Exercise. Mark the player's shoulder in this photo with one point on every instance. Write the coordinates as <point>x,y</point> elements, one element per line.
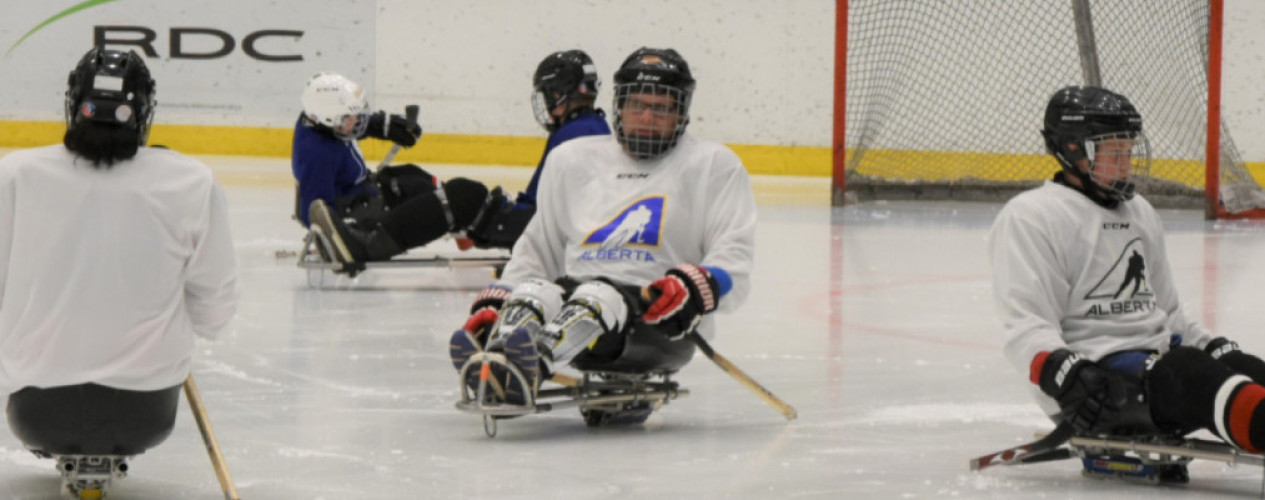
<point>1037,203</point>
<point>584,125</point>
<point>175,162</point>
<point>714,155</point>
<point>1041,197</point>
<point>584,147</point>
<point>21,155</point>
<point>33,158</point>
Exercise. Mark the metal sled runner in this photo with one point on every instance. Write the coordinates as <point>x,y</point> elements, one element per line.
<point>604,398</point>
<point>1150,460</point>
<point>316,258</point>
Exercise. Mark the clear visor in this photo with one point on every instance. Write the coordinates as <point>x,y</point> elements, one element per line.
<point>1115,159</point>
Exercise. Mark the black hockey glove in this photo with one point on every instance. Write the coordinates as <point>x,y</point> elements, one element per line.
<point>395,128</point>
<point>681,298</point>
<point>1088,395</point>
<point>1227,352</point>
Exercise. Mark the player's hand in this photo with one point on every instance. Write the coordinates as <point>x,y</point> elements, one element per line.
<point>395,128</point>
<point>1228,353</point>
<point>1088,395</point>
<point>681,297</point>
<point>485,310</point>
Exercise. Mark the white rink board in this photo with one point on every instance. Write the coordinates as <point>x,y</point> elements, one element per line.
<point>255,82</point>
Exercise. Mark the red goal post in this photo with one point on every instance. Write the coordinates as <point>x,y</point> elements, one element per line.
<point>943,100</point>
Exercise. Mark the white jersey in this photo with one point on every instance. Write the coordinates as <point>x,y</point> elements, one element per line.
<point>1069,273</point>
<point>603,214</point>
<point>107,274</point>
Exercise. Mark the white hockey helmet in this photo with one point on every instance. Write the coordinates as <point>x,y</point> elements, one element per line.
<point>330,98</point>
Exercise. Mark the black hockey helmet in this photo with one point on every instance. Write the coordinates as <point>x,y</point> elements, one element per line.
<point>660,72</point>
<point>561,77</point>
<point>111,87</point>
<point>1078,119</point>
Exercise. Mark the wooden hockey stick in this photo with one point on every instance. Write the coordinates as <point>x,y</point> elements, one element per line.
<point>411,112</point>
<point>208,437</point>
<point>733,371</point>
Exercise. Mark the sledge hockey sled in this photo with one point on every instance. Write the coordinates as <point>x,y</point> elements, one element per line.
<point>88,477</point>
<point>316,258</point>
<point>1152,459</point>
<point>626,390</point>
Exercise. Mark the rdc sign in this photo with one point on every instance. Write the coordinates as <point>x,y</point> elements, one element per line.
<point>225,43</point>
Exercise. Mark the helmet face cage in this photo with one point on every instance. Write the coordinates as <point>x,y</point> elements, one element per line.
<point>111,87</point>
<point>657,81</point>
<point>653,135</point>
<point>560,77</point>
<point>1114,158</point>
<point>1090,130</point>
<point>331,100</point>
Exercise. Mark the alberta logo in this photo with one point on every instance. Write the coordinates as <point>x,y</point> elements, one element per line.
<point>637,225</point>
<point>1126,285</point>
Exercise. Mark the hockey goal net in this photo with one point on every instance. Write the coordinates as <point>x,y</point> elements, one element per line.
<point>944,100</point>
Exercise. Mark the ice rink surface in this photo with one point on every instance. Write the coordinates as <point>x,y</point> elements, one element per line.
<point>875,321</point>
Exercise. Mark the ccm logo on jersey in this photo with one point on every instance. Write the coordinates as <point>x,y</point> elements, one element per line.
<point>1109,226</point>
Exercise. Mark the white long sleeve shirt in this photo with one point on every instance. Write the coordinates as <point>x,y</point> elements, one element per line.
<point>601,213</point>
<point>107,274</point>
<point>1069,273</point>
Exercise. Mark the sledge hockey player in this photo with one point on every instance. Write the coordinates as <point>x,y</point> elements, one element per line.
<point>1085,293</point>
<point>326,159</point>
<point>649,211</point>
<point>112,257</point>
<point>566,86</point>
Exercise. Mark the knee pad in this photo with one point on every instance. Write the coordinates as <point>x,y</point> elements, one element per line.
<point>529,305</point>
<point>595,308</point>
<point>463,199</point>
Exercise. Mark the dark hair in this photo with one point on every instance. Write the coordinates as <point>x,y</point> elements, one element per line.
<point>101,142</point>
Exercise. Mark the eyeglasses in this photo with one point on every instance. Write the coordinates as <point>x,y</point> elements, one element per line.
<point>635,107</point>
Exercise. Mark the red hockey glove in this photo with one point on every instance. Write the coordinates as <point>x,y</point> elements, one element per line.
<point>1088,396</point>
<point>486,309</point>
<point>681,297</point>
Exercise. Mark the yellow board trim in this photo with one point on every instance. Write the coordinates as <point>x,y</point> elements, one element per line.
<point>436,148</point>
<point>525,151</point>
<point>946,166</point>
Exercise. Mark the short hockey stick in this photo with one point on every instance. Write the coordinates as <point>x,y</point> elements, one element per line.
<point>733,371</point>
<point>411,112</point>
<point>1041,450</point>
<point>208,437</point>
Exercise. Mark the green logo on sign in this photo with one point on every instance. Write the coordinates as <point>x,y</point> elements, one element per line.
<point>82,6</point>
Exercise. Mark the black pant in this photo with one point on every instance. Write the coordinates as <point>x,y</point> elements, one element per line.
<point>91,419</point>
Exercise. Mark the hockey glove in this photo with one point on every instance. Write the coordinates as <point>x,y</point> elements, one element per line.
<point>1083,390</point>
<point>1227,352</point>
<point>681,297</point>
<point>395,128</point>
<point>486,310</point>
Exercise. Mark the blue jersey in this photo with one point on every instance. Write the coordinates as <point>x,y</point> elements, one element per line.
<point>586,122</point>
<point>326,167</point>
